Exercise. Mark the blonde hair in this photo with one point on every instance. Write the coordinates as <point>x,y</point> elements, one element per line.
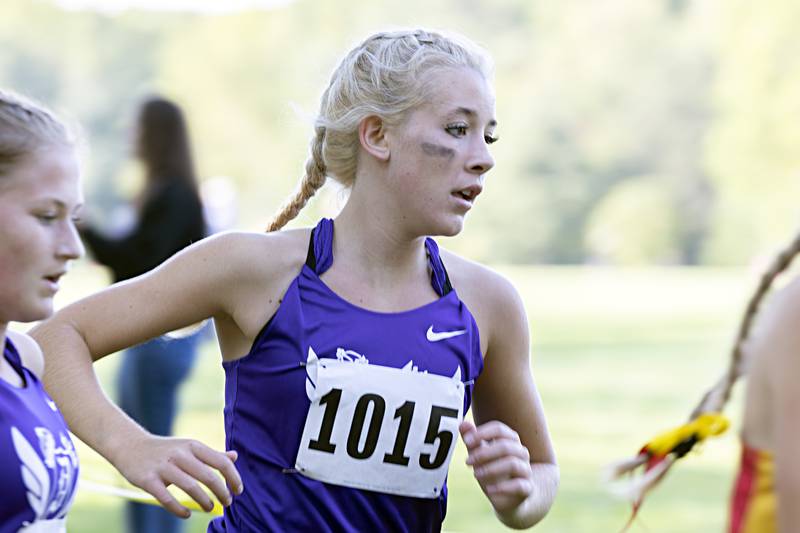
<point>26,127</point>
<point>384,76</point>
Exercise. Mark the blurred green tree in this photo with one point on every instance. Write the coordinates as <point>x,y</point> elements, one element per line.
<point>634,224</point>
<point>754,145</point>
<point>590,95</point>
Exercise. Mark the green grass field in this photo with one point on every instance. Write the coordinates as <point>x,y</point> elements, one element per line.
<point>618,355</point>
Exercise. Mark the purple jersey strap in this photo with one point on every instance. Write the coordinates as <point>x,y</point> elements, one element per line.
<point>320,256</point>
<point>12,356</point>
<point>320,249</point>
<point>439,278</point>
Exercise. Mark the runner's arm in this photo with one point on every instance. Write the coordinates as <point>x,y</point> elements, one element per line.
<point>190,287</point>
<point>510,449</point>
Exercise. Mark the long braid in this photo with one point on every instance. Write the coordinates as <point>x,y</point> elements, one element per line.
<point>715,399</point>
<point>314,178</point>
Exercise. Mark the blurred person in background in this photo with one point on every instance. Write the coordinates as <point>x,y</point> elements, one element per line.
<point>169,218</point>
<point>767,488</point>
<point>40,197</point>
<point>766,351</point>
<point>350,359</point>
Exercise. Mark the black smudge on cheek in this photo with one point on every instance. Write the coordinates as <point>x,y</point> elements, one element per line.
<point>437,150</point>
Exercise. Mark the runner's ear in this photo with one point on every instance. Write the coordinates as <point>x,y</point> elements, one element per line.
<point>372,135</point>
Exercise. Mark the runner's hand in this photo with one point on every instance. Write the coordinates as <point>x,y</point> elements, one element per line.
<point>500,463</point>
<point>154,463</point>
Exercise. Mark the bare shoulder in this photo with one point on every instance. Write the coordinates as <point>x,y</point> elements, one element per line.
<point>781,313</point>
<point>491,298</point>
<point>259,268</point>
<point>29,352</point>
<point>479,282</point>
<point>787,300</point>
<point>257,253</point>
<point>776,338</point>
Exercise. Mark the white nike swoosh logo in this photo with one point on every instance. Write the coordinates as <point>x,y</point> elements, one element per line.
<point>435,336</point>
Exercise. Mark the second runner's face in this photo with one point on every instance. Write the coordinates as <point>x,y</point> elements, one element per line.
<point>39,199</point>
<point>441,152</point>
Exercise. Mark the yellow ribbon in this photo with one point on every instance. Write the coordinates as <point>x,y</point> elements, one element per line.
<point>702,427</point>
<point>143,497</point>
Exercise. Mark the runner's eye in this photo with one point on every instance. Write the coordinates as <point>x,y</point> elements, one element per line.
<point>47,218</point>
<point>456,130</point>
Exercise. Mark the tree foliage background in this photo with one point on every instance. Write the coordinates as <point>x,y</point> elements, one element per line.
<point>631,132</point>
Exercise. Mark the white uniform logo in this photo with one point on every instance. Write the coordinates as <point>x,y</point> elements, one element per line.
<point>49,504</point>
<point>379,428</point>
<point>436,336</point>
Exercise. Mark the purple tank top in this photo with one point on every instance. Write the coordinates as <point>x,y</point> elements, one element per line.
<point>268,407</point>
<point>38,463</point>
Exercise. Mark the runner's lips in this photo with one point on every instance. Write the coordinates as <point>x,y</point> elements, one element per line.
<point>469,193</point>
<point>55,277</point>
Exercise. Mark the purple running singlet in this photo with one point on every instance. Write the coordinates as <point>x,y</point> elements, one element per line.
<point>345,419</point>
<point>38,463</point>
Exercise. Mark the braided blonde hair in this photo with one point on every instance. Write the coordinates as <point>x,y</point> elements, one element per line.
<point>715,399</point>
<point>384,76</point>
<point>26,127</point>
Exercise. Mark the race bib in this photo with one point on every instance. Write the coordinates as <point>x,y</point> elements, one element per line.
<point>380,428</point>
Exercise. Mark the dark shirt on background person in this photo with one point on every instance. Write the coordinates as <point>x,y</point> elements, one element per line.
<point>170,220</point>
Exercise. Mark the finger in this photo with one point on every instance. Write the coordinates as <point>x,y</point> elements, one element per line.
<point>487,433</point>
<point>233,455</point>
<point>466,426</point>
<point>491,451</point>
<point>222,462</point>
<point>518,487</point>
<point>199,471</point>
<point>190,486</point>
<point>495,430</point>
<point>501,470</point>
<point>159,491</point>
<point>469,434</point>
